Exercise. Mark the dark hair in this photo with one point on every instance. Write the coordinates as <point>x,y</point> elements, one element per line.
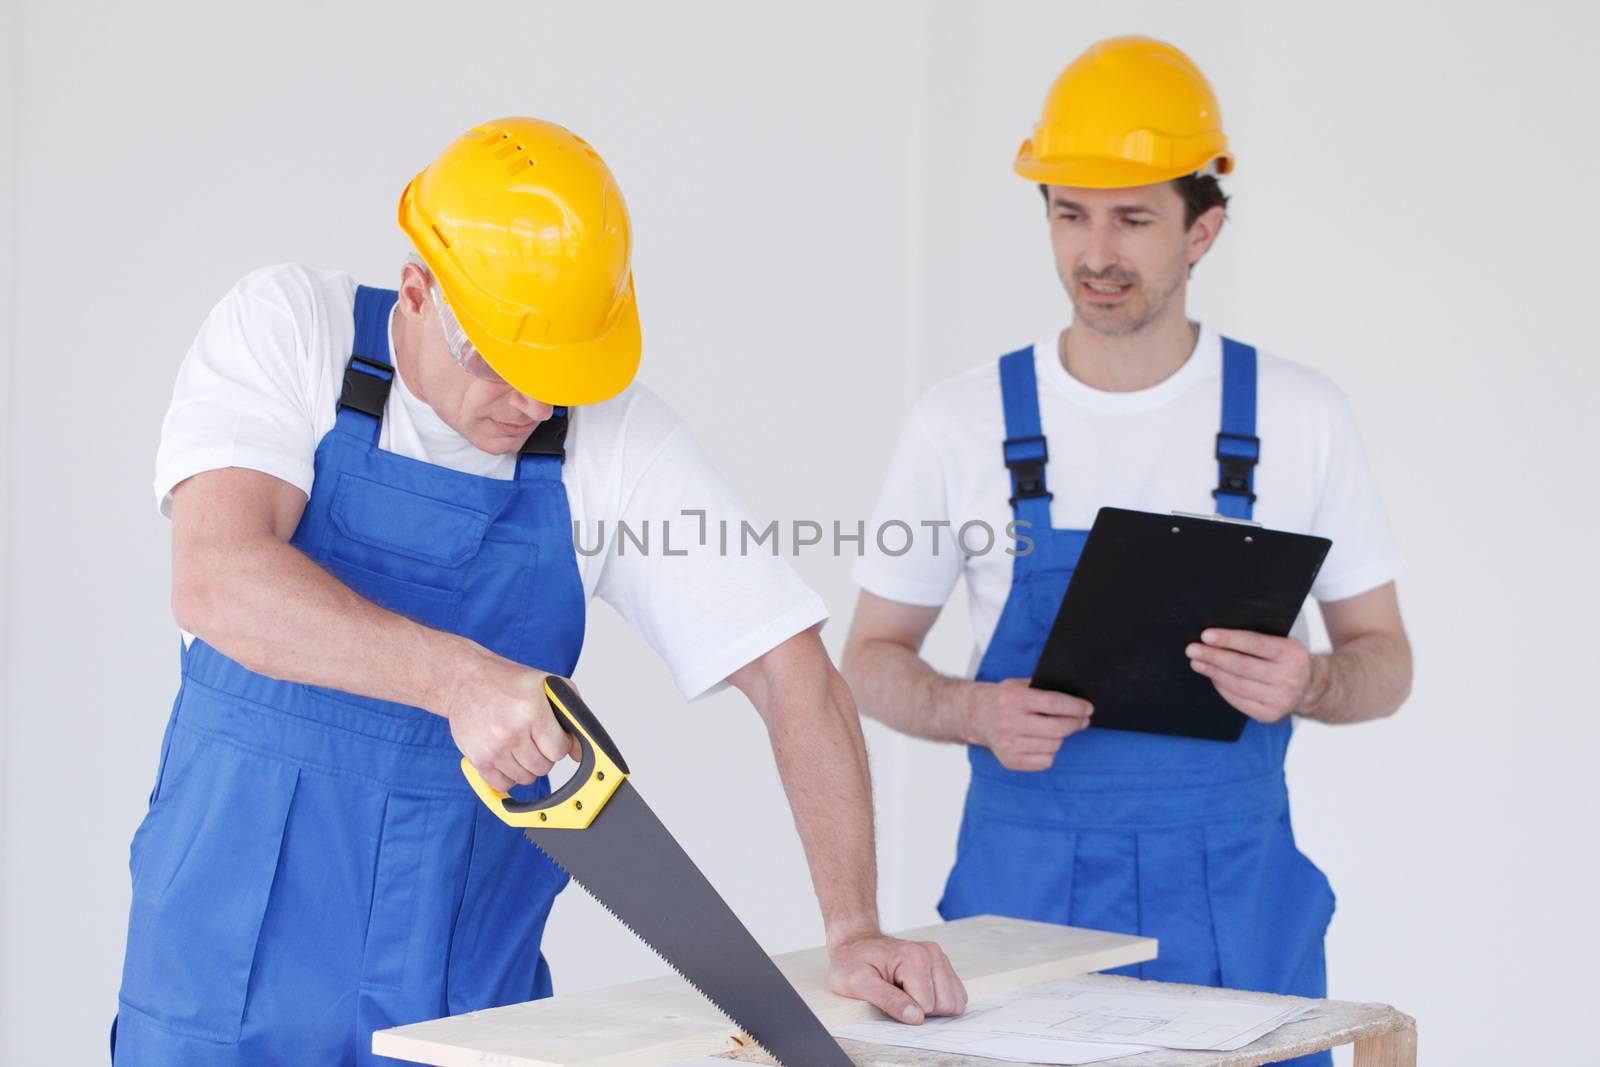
<point>1200,192</point>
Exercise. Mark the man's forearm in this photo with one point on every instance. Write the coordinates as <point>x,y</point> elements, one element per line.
<point>822,761</point>
<point>1367,677</point>
<point>897,687</point>
<point>264,603</point>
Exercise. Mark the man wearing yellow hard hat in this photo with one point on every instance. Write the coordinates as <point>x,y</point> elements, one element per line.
<point>1133,405</point>
<point>373,497</point>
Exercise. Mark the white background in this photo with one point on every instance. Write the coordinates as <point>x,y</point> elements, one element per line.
<point>826,223</point>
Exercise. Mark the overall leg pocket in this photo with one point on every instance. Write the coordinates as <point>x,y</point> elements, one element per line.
<point>1270,906</point>
<point>203,867</point>
<point>1174,906</point>
<point>508,890</point>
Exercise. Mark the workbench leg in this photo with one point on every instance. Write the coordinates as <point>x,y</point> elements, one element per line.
<point>1395,1049</point>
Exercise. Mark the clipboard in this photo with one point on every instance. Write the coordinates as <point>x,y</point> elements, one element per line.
<point>1144,588</point>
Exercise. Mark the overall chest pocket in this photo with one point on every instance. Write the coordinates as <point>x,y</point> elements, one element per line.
<point>403,550</point>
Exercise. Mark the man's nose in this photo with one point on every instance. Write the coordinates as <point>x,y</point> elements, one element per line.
<point>537,410</point>
<point>1101,255</point>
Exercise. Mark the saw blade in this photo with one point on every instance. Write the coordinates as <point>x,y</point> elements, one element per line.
<point>628,861</point>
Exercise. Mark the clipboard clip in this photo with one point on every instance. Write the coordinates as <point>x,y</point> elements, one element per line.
<point>1217,518</point>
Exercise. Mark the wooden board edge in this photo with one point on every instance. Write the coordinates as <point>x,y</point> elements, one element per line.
<point>712,1042</point>
<point>400,1046</point>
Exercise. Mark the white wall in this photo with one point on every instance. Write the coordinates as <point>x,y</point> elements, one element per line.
<point>8,133</point>
<point>826,223</point>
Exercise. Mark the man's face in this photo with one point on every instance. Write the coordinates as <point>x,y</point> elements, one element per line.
<point>490,414</point>
<point>494,417</point>
<point>1124,254</point>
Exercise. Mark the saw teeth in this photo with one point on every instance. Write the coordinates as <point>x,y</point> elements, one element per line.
<point>692,984</point>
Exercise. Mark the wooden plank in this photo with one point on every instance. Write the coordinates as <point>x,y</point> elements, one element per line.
<point>1385,1036</point>
<point>661,1020</point>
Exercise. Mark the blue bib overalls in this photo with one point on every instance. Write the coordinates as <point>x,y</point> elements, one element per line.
<point>313,865</point>
<point>1184,840</point>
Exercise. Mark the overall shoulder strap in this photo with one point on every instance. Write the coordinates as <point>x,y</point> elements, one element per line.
<point>368,374</point>
<point>1025,451</point>
<point>542,454</point>
<point>1238,447</point>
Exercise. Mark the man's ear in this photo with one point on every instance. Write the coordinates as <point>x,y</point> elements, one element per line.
<point>1204,232</point>
<point>414,283</point>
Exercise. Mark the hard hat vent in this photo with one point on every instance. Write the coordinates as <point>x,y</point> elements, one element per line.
<point>504,147</point>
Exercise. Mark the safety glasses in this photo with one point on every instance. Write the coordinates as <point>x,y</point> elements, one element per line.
<point>467,358</point>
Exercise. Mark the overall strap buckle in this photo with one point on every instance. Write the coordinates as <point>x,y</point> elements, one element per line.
<point>1237,454</point>
<point>1026,458</point>
<point>366,390</point>
<point>549,438</point>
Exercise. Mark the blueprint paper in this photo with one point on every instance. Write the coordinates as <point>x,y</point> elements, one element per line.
<point>1084,1012</point>
<point>1071,1022</point>
<point>990,1046</point>
<point>968,1035</point>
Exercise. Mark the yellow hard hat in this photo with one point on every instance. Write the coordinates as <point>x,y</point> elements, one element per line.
<point>525,229</point>
<point>1129,111</point>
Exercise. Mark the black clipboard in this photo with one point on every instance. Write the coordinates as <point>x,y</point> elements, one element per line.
<point>1145,587</point>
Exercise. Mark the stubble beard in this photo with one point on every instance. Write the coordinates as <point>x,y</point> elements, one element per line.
<point>1124,320</point>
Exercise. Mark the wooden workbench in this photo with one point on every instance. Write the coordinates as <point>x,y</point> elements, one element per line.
<point>660,1021</point>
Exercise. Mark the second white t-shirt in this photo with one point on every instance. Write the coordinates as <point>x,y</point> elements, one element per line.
<point>259,389</point>
<point>1149,450</point>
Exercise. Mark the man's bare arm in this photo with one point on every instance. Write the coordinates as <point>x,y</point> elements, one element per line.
<point>1366,676</point>
<point>894,683</point>
<point>1368,673</point>
<point>822,761</point>
<point>1023,727</point>
<point>238,584</point>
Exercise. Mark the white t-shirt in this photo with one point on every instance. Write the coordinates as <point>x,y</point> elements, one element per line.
<point>1150,450</point>
<point>258,389</point>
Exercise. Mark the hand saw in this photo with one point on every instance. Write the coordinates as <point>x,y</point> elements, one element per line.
<point>599,830</point>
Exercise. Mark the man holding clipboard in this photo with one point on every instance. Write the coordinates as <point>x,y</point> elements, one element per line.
<point>1133,406</point>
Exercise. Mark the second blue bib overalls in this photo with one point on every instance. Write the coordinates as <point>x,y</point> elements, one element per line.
<point>313,866</point>
<point>1184,840</point>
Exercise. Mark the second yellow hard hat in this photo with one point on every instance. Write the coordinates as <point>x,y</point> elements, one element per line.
<point>525,229</point>
<point>1129,111</point>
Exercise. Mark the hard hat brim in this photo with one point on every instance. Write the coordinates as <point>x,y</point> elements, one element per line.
<point>1098,172</point>
<point>580,372</point>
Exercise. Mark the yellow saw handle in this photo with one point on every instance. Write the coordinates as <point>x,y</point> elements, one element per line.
<point>575,805</point>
